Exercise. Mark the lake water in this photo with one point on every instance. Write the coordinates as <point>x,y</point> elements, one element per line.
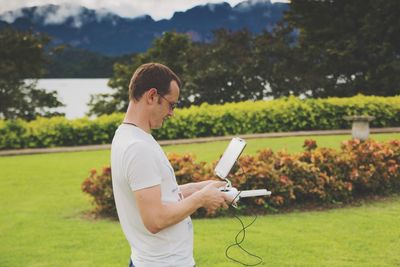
<point>75,93</point>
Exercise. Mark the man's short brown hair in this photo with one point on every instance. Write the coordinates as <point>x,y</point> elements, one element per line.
<point>151,75</point>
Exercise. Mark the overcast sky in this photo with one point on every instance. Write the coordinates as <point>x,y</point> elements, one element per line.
<point>158,9</point>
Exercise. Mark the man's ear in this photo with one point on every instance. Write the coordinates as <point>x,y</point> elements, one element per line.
<point>151,95</point>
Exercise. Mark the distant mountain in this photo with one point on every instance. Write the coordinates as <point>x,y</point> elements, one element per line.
<point>107,33</point>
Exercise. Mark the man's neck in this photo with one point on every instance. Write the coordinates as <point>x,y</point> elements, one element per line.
<point>134,115</point>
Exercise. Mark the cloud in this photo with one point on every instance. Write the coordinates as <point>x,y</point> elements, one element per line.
<point>10,16</point>
<point>158,9</point>
<point>60,14</point>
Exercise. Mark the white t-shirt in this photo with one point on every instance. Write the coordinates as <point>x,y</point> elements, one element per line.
<point>137,162</point>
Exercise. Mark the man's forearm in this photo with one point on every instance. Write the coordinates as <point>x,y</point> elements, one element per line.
<point>172,213</point>
<point>157,215</point>
<point>190,188</point>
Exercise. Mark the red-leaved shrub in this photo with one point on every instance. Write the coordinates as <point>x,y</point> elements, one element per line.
<point>316,176</point>
<point>99,187</point>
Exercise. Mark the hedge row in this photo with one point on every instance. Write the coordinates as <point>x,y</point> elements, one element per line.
<point>316,176</point>
<point>58,131</point>
<point>281,115</point>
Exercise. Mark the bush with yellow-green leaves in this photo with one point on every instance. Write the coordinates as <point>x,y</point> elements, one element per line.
<point>280,115</point>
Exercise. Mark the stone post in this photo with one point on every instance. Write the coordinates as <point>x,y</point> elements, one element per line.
<point>360,126</point>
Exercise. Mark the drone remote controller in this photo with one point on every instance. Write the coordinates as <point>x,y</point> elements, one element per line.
<point>235,195</point>
<point>224,166</point>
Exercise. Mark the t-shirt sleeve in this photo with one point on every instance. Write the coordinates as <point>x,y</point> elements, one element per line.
<point>142,166</point>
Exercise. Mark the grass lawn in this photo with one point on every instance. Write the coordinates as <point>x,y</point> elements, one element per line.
<point>42,221</point>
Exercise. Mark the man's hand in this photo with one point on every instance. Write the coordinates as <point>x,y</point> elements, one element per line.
<point>212,197</point>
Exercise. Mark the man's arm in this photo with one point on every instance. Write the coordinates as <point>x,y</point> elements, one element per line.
<point>157,216</point>
<point>190,188</point>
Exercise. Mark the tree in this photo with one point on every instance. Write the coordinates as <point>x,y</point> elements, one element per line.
<point>71,62</point>
<point>223,70</point>
<point>171,49</point>
<point>22,56</point>
<point>275,61</point>
<point>217,72</point>
<point>347,47</point>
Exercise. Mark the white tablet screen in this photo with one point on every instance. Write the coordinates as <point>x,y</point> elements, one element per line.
<point>228,159</point>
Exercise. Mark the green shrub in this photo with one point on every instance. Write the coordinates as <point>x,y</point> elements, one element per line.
<point>58,131</point>
<point>280,115</point>
<point>316,176</point>
<point>13,134</point>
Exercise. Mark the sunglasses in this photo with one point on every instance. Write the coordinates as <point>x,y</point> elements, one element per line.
<point>172,106</point>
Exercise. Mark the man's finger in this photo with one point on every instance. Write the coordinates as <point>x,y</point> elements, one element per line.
<point>219,183</point>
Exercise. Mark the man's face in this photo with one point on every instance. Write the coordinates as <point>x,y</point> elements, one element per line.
<point>165,106</point>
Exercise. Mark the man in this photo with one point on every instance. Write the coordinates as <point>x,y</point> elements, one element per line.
<point>152,209</point>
